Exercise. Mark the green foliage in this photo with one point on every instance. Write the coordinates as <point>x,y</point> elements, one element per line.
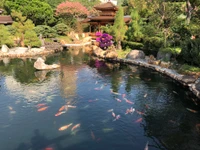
<point>31,39</point>
<point>45,31</point>
<point>61,29</point>
<point>38,11</point>
<point>132,45</point>
<point>5,36</point>
<point>134,32</point>
<point>191,51</point>
<point>119,27</point>
<point>122,53</point>
<point>188,69</point>
<point>173,50</point>
<point>152,45</point>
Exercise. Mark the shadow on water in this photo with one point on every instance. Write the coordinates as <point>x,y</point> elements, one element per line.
<point>40,142</point>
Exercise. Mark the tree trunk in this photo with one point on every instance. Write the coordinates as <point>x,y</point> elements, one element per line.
<point>119,46</point>
<point>189,10</point>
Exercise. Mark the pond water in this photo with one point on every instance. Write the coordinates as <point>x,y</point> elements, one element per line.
<point>92,98</point>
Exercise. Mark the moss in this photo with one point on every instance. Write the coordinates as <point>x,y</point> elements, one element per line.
<point>188,69</point>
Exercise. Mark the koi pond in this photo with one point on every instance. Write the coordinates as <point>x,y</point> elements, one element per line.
<point>91,104</point>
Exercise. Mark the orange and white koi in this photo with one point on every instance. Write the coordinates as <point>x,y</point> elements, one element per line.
<point>119,100</point>
<point>191,110</point>
<point>76,126</point>
<point>42,109</point>
<point>138,120</point>
<point>65,127</point>
<point>92,135</point>
<point>113,114</point>
<point>117,117</point>
<point>140,113</point>
<point>10,108</point>
<point>60,113</point>
<point>123,95</point>
<point>62,108</point>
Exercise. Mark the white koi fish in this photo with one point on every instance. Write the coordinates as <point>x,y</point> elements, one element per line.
<point>113,114</point>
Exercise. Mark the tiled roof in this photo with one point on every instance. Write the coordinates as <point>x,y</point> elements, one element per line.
<point>105,6</point>
<point>6,20</point>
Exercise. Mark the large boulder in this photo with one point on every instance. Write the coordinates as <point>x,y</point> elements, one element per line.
<point>4,49</point>
<point>97,51</point>
<point>135,54</point>
<point>40,65</point>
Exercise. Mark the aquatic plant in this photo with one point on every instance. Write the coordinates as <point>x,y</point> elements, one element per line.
<point>104,39</point>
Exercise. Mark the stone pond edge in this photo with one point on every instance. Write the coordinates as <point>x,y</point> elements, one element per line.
<point>189,81</point>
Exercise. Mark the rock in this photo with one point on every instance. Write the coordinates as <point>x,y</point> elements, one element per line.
<point>4,49</point>
<point>188,79</point>
<point>40,65</point>
<point>111,54</point>
<point>36,50</point>
<point>135,54</point>
<point>97,51</point>
<point>20,50</point>
<point>164,56</point>
<point>164,64</point>
<point>87,39</point>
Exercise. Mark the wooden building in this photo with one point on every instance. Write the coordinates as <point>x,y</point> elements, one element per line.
<point>5,19</point>
<point>107,12</point>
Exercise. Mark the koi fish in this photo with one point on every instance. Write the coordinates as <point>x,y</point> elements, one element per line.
<point>191,110</point>
<point>117,117</point>
<point>70,106</point>
<point>123,95</point>
<point>140,113</point>
<point>48,148</point>
<point>119,100</point>
<point>60,113</point>
<point>40,105</point>
<point>65,127</point>
<point>76,126</point>
<point>92,135</point>
<point>62,108</point>
<point>92,100</point>
<point>175,92</point>
<point>145,95</point>
<point>129,101</point>
<point>42,109</point>
<point>10,108</point>
<point>113,114</point>
<point>138,120</point>
<point>110,110</point>
<point>146,147</point>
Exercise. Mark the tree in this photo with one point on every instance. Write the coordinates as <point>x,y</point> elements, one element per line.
<point>71,12</point>
<point>21,25</point>
<point>31,39</point>
<point>38,11</point>
<point>119,27</point>
<point>5,36</point>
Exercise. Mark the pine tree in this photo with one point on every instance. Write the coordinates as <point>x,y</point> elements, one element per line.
<point>119,27</point>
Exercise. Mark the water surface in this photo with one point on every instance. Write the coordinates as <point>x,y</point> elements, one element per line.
<point>161,117</point>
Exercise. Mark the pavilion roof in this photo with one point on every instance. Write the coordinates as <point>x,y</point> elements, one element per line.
<point>6,20</point>
<point>106,6</point>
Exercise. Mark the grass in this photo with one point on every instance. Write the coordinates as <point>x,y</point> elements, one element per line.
<point>122,53</point>
<point>65,38</point>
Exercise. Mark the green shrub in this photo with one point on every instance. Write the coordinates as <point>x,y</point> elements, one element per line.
<point>132,45</point>
<point>45,31</point>
<point>5,36</point>
<point>190,52</point>
<point>31,39</point>
<point>61,29</point>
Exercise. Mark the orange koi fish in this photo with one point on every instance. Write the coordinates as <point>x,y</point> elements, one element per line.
<point>62,108</point>
<point>92,135</point>
<point>138,120</point>
<point>60,113</point>
<point>76,126</point>
<point>128,101</point>
<point>123,95</point>
<point>42,109</point>
<point>48,148</point>
<point>65,127</point>
<point>140,113</point>
<point>40,105</point>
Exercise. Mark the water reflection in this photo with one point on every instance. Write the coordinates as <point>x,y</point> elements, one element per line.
<point>100,91</point>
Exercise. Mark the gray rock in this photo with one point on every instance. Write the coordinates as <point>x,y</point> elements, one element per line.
<point>111,54</point>
<point>188,79</point>
<point>4,49</point>
<point>40,65</point>
<point>163,56</point>
<point>20,50</point>
<point>135,54</point>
